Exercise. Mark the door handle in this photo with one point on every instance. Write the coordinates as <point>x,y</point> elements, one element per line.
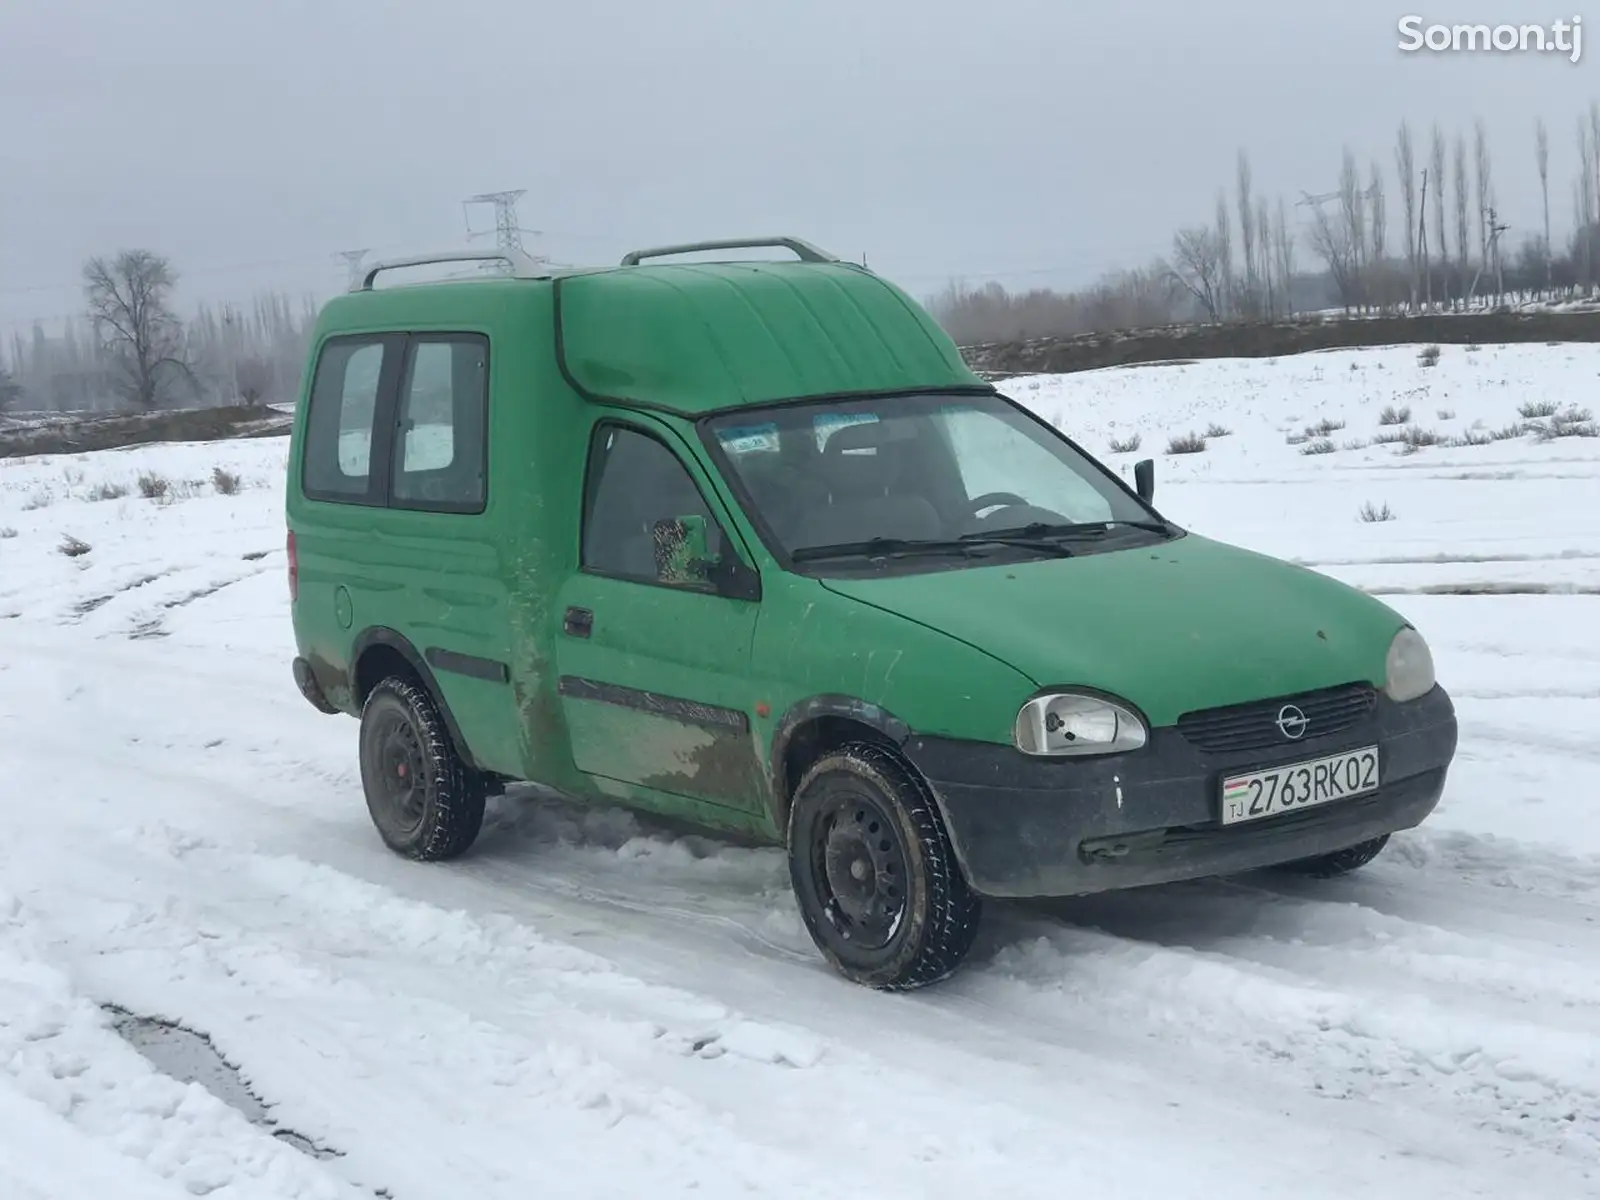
<point>578,622</point>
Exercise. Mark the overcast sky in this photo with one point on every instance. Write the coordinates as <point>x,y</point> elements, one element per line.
<point>1032,141</point>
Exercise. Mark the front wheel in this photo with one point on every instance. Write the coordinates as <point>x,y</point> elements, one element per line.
<point>1339,862</point>
<point>874,873</point>
<point>426,802</point>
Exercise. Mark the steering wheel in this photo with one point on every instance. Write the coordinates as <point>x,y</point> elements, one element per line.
<point>991,499</point>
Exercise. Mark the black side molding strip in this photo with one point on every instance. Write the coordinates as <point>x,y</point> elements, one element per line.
<point>467,664</point>
<point>690,711</point>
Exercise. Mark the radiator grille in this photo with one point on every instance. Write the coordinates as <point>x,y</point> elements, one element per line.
<point>1254,726</point>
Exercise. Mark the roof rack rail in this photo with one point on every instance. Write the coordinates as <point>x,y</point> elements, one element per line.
<point>803,250</point>
<point>522,264</point>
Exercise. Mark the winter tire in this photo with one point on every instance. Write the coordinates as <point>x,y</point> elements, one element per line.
<point>426,802</point>
<point>1339,862</point>
<point>875,876</point>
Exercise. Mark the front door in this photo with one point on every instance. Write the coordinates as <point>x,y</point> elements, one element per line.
<point>655,683</point>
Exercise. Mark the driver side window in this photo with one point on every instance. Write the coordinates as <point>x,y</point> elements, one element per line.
<point>636,483</point>
<point>995,456</point>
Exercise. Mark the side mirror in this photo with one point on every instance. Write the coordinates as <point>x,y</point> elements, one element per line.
<point>683,556</point>
<point>682,548</point>
<point>1144,479</point>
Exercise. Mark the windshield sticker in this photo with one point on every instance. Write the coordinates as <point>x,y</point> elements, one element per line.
<point>744,438</point>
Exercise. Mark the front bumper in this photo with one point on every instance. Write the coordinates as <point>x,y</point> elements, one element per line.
<point>1028,827</point>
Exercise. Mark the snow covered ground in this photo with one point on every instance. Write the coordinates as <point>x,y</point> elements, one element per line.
<point>586,1006</point>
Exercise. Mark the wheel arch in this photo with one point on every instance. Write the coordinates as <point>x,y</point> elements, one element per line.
<point>380,651</point>
<point>816,725</point>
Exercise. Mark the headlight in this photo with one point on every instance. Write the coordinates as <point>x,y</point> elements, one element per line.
<point>1068,723</point>
<point>1408,673</point>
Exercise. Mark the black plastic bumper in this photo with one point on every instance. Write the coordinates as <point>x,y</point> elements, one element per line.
<point>1027,827</point>
<point>306,680</point>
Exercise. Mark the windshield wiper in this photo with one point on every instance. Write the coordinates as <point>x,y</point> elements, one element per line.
<point>1152,526</point>
<point>880,547</point>
<point>900,547</point>
<point>1076,529</point>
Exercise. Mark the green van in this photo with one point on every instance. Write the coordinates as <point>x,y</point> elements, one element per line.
<point>746,544</point>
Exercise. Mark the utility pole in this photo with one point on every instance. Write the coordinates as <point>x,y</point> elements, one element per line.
<point>507,231</point>
<point>1496,228</point>
<point>352,260</point>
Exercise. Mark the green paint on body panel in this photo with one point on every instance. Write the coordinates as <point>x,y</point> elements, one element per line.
<point>663,535</point>
<point>695,338</point>
<point>1189,624</point>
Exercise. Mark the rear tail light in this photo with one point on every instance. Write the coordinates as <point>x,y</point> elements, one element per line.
<point>294,569</point>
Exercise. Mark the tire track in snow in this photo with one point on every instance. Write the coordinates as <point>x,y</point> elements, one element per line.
<point>1254,1007</point>
<point>1519,1081</point>
<point>1446,558</point>
<point>57,1050</point>
<point>1053,1037</point>
<point>461,1003</point>
<point>259,966</point>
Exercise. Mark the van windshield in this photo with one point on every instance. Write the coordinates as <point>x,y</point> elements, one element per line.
<point>930,476</point>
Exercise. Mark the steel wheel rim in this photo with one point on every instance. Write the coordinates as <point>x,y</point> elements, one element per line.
<point>400,771</point>
<point>859,871</point>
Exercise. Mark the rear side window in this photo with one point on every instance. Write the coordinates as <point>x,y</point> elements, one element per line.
<point>440,444</point>
<point>340,421</point>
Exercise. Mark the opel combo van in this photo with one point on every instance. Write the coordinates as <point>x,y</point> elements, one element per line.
<point>747,544</point>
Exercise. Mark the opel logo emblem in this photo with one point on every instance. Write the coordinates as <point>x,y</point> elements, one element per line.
<point>1292,723</point>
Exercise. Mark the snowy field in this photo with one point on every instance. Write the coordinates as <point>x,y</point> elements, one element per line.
<point>587,1007</point>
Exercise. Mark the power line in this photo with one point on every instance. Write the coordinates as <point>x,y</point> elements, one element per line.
<point>1317,201</point>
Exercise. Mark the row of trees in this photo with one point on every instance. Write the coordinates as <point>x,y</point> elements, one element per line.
<point>1453,251</point>
<point>1448,252</point>
<point>132,350</point>
<point>1444,247</point>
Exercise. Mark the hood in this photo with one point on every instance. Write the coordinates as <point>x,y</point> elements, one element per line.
<point>1171,627</point>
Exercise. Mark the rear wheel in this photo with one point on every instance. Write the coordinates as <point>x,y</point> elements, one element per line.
<point>1339,862</point>
<point>875,876</point>
<point>426,802</point>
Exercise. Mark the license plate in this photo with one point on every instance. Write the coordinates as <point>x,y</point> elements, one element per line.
<point>1299,785</point>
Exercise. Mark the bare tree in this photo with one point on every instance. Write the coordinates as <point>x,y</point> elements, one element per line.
<point>1405,164</point>
<point>10,391</point>
<point>1247,240</point>
<point>1462,255</point>
<point>1594,147</point>
<point>1480,162</point>
<point>1379,227</point>
<point>1583,203</point>
<point>1283,241</point>
<point>1541,153</point>
<point>1353,244</point>
<point>129,298</point>
<point>253,379</point>
<point>1197,257</point>
<point>1422,243</point>
<point>1227,287</point>
<point>1436,157</point>
<point>1264,257</point>
<point>1332,242</point>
